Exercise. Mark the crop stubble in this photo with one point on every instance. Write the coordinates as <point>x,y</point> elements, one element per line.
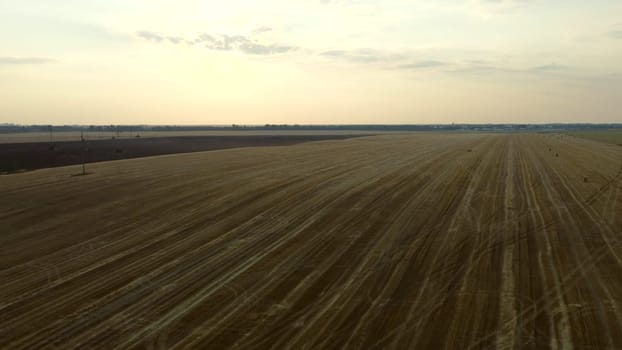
<point>394,241</point>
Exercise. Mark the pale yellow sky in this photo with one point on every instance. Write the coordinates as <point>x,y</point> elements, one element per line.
<point>313,61</point>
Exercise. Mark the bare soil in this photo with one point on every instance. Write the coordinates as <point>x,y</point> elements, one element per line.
<point>22,156</point>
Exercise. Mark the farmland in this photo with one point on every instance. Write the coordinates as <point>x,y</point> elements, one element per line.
<point>609,136</point>
<point>23,156</point>
<point>422,241</point>
<point>68,136</point>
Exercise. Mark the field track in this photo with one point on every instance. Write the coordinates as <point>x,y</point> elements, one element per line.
<point>423,241</point>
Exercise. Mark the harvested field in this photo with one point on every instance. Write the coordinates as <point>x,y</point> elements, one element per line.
<point>428,241</point>
<point>609,136</point>
<point>16,157</point>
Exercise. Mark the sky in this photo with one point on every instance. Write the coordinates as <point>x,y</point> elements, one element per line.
<point>310,61</point>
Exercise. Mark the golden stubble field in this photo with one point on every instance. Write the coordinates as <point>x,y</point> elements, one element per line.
<point>423,241</point>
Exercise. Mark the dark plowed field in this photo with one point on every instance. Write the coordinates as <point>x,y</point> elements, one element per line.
<point>37,155</point>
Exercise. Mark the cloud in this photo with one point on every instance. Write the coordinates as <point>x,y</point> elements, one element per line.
<point>422,65</point>
<point>263,29</point>
<point>481,69</point>
<point>334,53</point>
<point>491,7</point>
<point>151,36</point>
<point>548,68</point>
<point>224,42</point>
<point>499,70</point>
<point>360,56</point>
<point>257,49</point>
<point>477,62</point>
<point>503,3</point>
<point>175,39</point>
<point>387,59</point>
<point>616,34</point>
<point>26,60</point>
<point>363,55</point>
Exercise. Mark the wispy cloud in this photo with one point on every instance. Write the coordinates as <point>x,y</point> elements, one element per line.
<point>262,29</point>
<point>352,56</point>
<point>151,36</point>
<point>502,4</point>
<point>258,49</point>
<point>407,60</point>
<point>616,34</point>
<point>175,39</point>
<point>497,7</point>
<point>365,55</point>
<point>241,43</point>
<point>223,42</point>
<point>386,59</point>
<point>499,70</point>
<point>548,68</point>
<point>482,69</point>
<point>422,65</point>
<point>26,60</point>
<point>157,37</point>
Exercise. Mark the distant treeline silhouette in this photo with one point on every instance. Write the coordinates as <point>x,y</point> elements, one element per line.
<point>16,128</point>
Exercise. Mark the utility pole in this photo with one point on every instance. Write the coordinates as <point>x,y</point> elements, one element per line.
<point>83,141</point>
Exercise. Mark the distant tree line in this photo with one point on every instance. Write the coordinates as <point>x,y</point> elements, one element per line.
<point>16,128</point>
